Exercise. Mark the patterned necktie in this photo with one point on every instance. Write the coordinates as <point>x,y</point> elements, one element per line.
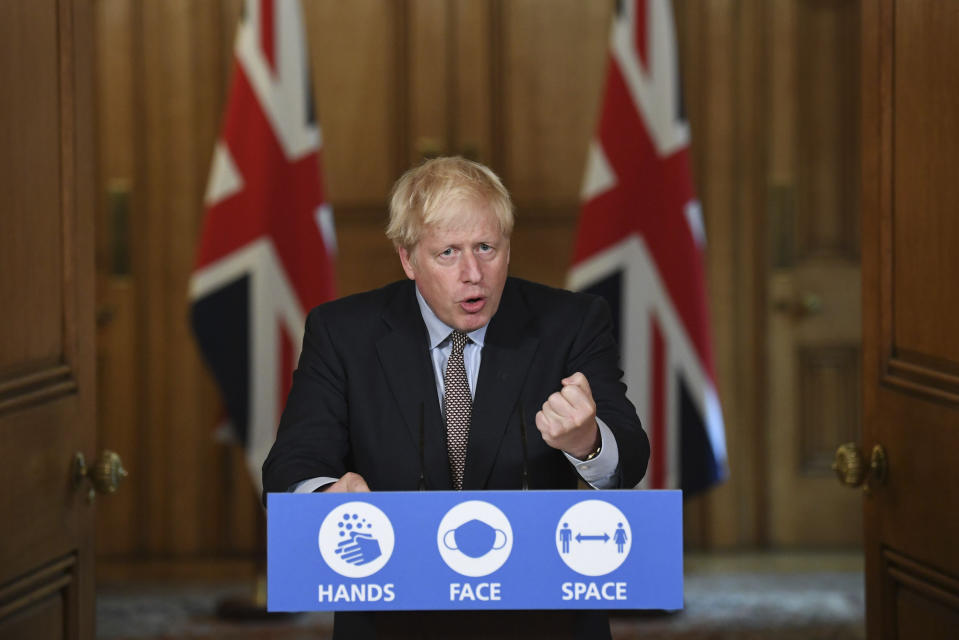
<point>459,408</point>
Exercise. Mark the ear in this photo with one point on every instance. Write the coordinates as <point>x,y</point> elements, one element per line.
<point>407,262</point>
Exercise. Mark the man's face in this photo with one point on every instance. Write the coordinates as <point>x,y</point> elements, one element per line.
<point>460,267</point>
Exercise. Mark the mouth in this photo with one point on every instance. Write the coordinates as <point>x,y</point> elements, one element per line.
<point>473,305</point>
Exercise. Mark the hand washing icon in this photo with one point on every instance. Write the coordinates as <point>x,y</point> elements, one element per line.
<point>356,539</point>
<point>474,538</point>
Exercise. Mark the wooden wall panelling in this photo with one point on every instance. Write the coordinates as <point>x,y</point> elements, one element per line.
<point>357,72</point>
<point>361,73</point>
<point>724,64</point>
<point>117,363</point>
<point>472,91</point>
<point>172,187</point>
<point>548,83</point>
<point>752,45</point>
<point>432,59</point>
<point>554,57</point>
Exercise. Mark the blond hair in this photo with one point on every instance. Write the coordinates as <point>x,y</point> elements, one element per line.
<point>423,195</point>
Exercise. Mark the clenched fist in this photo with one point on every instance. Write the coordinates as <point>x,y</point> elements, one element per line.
<point>567,420</point>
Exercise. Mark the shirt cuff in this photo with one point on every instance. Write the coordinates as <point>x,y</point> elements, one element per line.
<point>311,485</point>
<point>600,472</point>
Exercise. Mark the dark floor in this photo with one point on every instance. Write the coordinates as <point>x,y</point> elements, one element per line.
<point>749,597</point>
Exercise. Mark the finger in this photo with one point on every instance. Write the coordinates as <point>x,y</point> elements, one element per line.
<point>556,418</point>
<point>349,483</point>
<point>576,396</point>
<point>578,380</point>
<point>557,423</point>
<point>560,405</point>
<point>549,425</point>
<point>357,484</point>
<point>542,422</point>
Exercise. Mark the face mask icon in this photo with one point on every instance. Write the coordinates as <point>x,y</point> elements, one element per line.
<point>474,538</point>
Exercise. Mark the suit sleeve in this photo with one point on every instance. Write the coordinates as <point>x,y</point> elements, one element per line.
<point>313,437</point>
<point>595,353</point>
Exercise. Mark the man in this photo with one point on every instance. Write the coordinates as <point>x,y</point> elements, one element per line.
<point>436,383</point>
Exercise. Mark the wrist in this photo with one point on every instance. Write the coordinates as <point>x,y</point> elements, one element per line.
<point>588,453</point>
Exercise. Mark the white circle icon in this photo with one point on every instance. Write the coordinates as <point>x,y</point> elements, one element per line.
<point>474,538</point>
<point>356,539</point>
<point>593,537</point>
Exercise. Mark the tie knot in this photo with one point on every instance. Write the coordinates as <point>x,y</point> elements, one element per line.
<point>459,340</point>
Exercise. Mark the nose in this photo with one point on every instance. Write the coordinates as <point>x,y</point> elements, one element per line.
<point>470,268</point>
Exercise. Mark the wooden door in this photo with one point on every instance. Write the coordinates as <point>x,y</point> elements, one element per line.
<point>46,319</point>
<point>813,281</point>
<point>910,244</point>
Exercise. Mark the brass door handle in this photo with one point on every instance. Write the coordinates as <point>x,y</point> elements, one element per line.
<point>850,466</point>
<point>103,477</point>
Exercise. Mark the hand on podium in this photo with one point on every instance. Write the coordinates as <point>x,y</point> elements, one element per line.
<point>349,483</point>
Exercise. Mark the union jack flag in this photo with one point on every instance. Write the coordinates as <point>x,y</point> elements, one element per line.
<point>266,251</point>
<point>640,244</point>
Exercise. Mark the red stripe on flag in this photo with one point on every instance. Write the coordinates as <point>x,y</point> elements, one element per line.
<point>268,33</point>
<point>658,406</point>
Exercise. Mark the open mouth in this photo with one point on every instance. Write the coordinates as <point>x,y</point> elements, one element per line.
<point>472,305</point>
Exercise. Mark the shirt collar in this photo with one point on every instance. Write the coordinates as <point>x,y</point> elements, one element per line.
<point>439,330</point>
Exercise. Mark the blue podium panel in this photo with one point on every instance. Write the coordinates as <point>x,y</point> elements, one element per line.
<point>434,550</point>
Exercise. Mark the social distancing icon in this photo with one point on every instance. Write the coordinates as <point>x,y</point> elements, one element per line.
<point>593,537</point>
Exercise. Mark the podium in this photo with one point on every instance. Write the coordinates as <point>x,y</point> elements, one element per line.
<point>474,550</point>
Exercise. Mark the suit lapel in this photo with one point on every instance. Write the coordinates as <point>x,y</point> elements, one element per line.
<point>406,364</point>
<point>507,354</point>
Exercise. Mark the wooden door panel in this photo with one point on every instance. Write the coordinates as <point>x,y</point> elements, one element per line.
<point>910,351</point>
<point>41,604</point>
<point>925,71</point>
<point>923,602</point>
<point>28,122</point>
<point>46,323</point>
